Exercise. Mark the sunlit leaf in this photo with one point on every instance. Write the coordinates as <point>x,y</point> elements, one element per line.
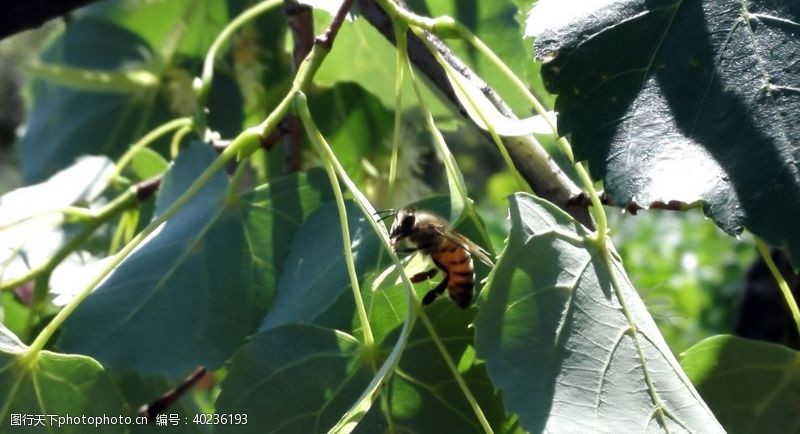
<point>30,218</point>
<point>565,350</point>
<point>55,384</point>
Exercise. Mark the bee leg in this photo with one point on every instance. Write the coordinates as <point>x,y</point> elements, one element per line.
<point>435,292</point>
<point>425,275</point>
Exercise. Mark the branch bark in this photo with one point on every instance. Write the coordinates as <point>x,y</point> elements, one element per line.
<point>531,160</point>
<point>24,15</point>
<point>301,22</point>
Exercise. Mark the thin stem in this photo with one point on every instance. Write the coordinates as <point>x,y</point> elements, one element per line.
<point>122,202</point>
<point>454,369</point>
<point>779,279</point>
<point>48,331</point>
<point>207,76</point>
<point>398,112</point>
<point>454,176</point>
<point>348,421</point>
<point>175,144</point>
<point>475,106</point>
<point>319,142</point>
<point>243,145</point>
<point>145,141</point>
<point>75,212</point>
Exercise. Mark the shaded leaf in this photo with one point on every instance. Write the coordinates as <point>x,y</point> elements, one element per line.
<point>751,386</point>
<point>700,105</point>
<point>63,122</point>
<point>56,384</point>
<point>566,352</point>
<point>293,379</point>
<point>202,282</point>
<point>314,286</point>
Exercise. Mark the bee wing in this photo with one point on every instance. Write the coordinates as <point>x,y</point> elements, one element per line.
<point>466,243</point>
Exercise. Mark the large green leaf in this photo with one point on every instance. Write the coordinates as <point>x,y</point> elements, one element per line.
<point>683,101</point>
<point>165,39</point>
<point>193,291</point>
<point>752,386</point>
<point>55,384</point>
<point>314,286</point>
<point>423,396</point>
<point>63,123</point>
<point>567,352</point>
<point>293,379</point>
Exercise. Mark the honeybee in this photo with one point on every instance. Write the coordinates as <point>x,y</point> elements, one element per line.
<point>451,252</point>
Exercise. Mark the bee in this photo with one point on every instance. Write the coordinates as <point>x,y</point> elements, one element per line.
<point>452,253</point>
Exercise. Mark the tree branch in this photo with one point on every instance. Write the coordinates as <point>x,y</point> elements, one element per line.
<point>23,15</point>
<point>531,160</point>
<point>301,22</point>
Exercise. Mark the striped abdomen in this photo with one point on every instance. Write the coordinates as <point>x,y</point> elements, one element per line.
<point>456,262</point>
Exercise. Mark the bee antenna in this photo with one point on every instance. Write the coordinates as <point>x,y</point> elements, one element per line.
<point>384,214</point>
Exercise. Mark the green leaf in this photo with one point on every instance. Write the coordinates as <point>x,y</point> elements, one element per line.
<point>314,286</point>
<point>63,123</point>
<point>422,395</point>
<point>363,56</point>
<point>163,39</point>
<point>354,122</point>
<point>184,28</point>
<point>566,352</point>
<point>751,386</point>
<point>293,379</point>
<point>193,291</point>
<point>56,384</point>
<point>700,105</point>
<point>148,163</point>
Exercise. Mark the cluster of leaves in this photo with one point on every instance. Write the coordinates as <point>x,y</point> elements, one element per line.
<point>248,275</point>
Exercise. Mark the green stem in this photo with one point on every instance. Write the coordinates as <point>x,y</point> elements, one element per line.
<point>784,287</point>
<point>454,176</point>
<point>244,144</point>
<point>476,107</point>
<point>203,85</point>
<point>122,202</point>
<point>175,144</point>
<point>462,384</point>
<point>63,314</point>
<point>75,212</point>
<point>448,24</point>
<point>348,421</point>
<point>401,48</point>
<point>145,141</point>
<point>319,142</point>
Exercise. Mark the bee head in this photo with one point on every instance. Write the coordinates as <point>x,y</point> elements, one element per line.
<point>403,225</point>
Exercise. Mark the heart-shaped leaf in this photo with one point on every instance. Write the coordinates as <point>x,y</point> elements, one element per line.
<point>199,285</point>
<point>55,385</point>
<point>569,351</point>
